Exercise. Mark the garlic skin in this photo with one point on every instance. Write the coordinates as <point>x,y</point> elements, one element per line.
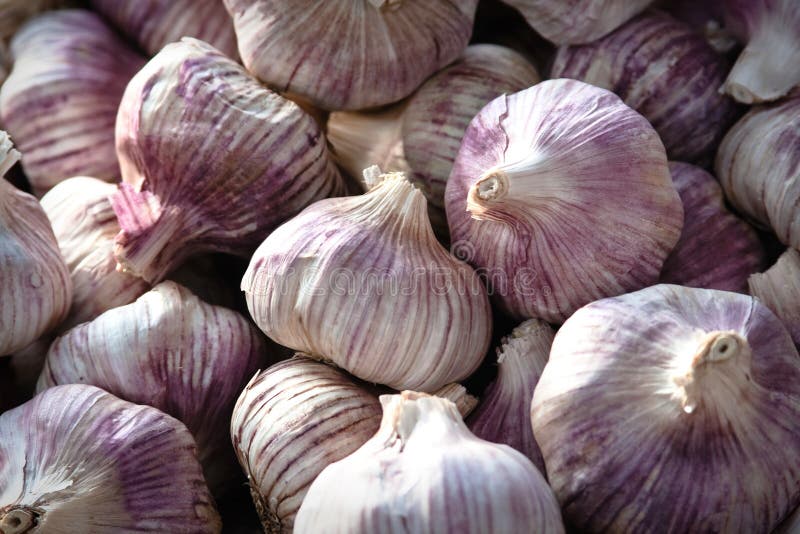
<point>669,410</point>
<point>756,166</point>
<point>183,195</point>
<point>60,100</point>
<point>35,287</point>
<point>561,195</point>
<point>362,282</point>
<point>78,459</point>
<point>154,24</point>
<point>504,413</point>
<point>173,352</point>
<point>768,67</point>
<point>381,51</point>
<point>717,250</point>
<point>424,471</point>
<point>643,62</point>
<point>778,288</point>
<point>16,12</point>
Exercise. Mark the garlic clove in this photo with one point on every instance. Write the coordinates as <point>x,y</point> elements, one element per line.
<point>423,471</point>
<point>77,459</point>
<point>717,250</point>
<point>779,289</point>
<point>183,194</point>
<point>174,352</point>
<point>671,409</point>
<point>362,282</point>
<point>561,195</point>
<point>154,24</point>
<point>349,55</point>
<point>643,62</point>
<point>60,100</point>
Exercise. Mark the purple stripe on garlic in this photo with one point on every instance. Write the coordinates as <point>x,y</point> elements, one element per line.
<point>779,289</point>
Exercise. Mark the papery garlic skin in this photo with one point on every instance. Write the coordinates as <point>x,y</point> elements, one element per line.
<point>425,472</point>
<point>671,409</point>
<point>60,100</point>
<point>717,250</point>
<point>644,62</point>
<point>77,459</point>
<point>362,282</point>
<point>779,289</point>
<point>380,52</point>
<point>172,351</point>
<point>211,161</point>
<point>561,195</point>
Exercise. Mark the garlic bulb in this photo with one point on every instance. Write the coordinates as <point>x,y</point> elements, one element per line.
<point>35,287</point>
<point>717,250</point>
<point>768,67</point>
<point>561,195</point>
<point>182,193</point>
<point>504,413</point>
<point>643,62</point>
<point>757,167</point>
<point>77,459</point>
<point>779,289</point>
<point>577,21</point>
<point>60,100</point>
<point>154,24</point>
<point>671,409</point>
<point>362,282</point>
<point>425,472</point>
<point>172,351</point>
<point>380,52</point>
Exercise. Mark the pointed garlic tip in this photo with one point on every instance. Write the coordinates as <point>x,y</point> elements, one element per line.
<point>226,196</point>
<point>69,475</point>
<point>713,372</point>
<point>9,155</point>
<point>372,176</point>
<point>526,177</point>
<point>458,395</point>
<point>779,289</point>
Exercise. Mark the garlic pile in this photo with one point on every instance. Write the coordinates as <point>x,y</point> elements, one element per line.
<point>779,289</point>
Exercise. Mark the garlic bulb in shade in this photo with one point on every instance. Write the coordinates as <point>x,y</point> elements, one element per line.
<point>77,459</point>
<point>35,287</point>
<point>504,413</point>
<point>768,67</point>
<point>154,24</point>
<point>717,250</point>
<point>757,167</point>
<point>361,281</point>
<point>643,62</point>
<point>561,194</point>
<point>671,409</point>
<point>425,472</point>
<point>183,194</point>
<point>16,12</point>
<point>779,289</point>
<point>172,351</point>
<point>380,52</point>
<point>60,100</point>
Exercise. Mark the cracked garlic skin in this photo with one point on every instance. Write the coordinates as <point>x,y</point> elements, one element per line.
<point>35,286</point>
<point>60,100</point>
<point>78,459</point>
<point>425,472</point>
<point>171,351</point>
<point>672,409</point>
<point>779,289</point>
<point>379,53</point>
<point>211,161</point>
<point>561,195</point>
<point>362,282</point>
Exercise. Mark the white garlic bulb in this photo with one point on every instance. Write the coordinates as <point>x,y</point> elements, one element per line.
<point>779,289</point>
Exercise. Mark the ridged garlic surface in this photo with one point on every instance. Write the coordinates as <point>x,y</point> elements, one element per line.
<point>672,409</point>
<point>779,289</point>
<point>717,249</point>
<point>362,282</point>
<point>350,55</point>
<point>425,472</point>
<point>174,352</point>
<point>60,100</point>
<point>77,459</point>
<point>35,286</point>
<point>561,195</point>
<point>211,161</point>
